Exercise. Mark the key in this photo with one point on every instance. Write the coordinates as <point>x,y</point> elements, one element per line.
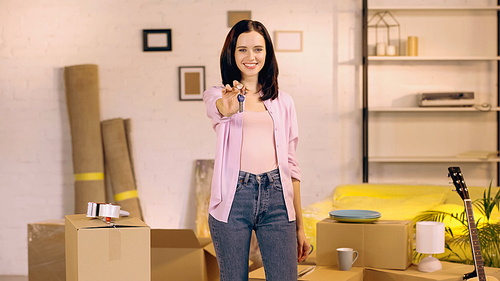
<point>241,98</point>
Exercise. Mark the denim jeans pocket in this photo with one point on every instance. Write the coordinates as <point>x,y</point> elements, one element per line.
<point>277,184</point>
<point>240,184</point>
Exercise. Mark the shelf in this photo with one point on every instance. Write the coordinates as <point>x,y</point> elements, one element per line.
<point>423,58</point>
<point>430,8</point>
<point>441,26</point>
<point>430,109</point>
<point>429,159</point>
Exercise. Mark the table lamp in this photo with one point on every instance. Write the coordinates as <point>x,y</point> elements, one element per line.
<point>430,240</point>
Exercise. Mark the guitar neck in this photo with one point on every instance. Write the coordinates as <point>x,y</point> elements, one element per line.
<point>474,240</point>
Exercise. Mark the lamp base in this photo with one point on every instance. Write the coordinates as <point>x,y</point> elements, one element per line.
<point>429,264</point>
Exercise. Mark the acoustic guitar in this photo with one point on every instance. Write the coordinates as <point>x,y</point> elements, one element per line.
<point>478,273</point>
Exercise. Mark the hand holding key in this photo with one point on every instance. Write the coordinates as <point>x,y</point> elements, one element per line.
<point>232,99</point>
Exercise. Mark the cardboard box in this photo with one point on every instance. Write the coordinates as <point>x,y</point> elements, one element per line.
<point>450,272</point>
<point>382,244</point>
<point>320,273</point>
<point>97,251</point>
<point>176,254</point>
<point>46,259</point>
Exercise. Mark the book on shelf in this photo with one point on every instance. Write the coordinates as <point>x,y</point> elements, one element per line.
<point>478,154</point>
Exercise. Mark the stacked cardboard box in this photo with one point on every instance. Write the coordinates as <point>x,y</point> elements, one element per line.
<point>98,251</point>
<point>46,251</point>
<point>175,254</point>
<point>382,244</point>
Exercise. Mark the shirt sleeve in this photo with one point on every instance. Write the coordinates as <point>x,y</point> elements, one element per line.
<point>293,139</point>
<point>210,98</point>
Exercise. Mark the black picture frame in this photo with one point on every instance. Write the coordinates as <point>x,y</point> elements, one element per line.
<point>149,47</point>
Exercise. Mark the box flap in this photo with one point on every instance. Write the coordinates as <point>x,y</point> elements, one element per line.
<point>204,241</point>
<point>211,262</point>
<point>81,221</point>
<point>210,249</point>
<point>174,238</point>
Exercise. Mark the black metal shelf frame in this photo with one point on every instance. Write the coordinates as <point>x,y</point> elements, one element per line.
<point>365,91</point>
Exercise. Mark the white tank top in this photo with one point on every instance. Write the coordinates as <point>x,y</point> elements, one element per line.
<point>258,151</point>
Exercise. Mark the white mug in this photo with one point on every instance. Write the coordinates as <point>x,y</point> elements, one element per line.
<point>345,258</point>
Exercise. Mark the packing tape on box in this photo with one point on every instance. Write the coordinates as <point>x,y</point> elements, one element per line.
<point>89,176</point>
<point>95,210</point>
<point>115,244</point>
<point>126,195</point>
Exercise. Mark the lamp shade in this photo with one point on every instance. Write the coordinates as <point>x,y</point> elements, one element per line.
<point>430,237</point>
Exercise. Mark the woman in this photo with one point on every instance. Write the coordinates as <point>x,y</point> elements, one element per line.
<point>256,181</point>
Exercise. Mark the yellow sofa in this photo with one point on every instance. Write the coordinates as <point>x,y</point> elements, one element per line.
<point>394,202</point>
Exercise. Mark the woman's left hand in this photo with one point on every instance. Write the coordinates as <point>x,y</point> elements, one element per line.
<point>303,246</point>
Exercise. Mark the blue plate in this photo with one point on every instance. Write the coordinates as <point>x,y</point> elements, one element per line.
<point>355,215</point>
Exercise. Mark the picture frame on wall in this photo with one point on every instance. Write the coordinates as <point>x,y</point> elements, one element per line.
<point>233,17</point>
<point>157,40</point>
<point>191,83</point>
<point>288,41</point>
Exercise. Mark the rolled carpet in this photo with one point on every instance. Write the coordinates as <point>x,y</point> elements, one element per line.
<point>82,97</point>
<point>203,181</point>
<point>120,170</point>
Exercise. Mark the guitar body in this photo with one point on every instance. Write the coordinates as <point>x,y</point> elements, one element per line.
<point>478,274</point>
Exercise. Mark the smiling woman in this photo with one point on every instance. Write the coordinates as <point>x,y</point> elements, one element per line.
<point>256,182</point>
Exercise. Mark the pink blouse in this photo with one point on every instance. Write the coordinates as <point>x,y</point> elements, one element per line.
<point>228,150</point>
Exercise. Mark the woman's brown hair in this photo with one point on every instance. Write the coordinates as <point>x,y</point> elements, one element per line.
<point>268,76</point>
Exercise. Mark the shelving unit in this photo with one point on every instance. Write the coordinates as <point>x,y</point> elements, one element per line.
<point>434,8</point>
<point>431,159</point>
<point>407,58</point>
<point>432,109</point>
<point>383,116</point>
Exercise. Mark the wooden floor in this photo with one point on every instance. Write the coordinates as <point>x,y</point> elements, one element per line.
<point>13,278</point>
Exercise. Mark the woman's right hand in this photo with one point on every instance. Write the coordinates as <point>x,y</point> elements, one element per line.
<point>228,104</point>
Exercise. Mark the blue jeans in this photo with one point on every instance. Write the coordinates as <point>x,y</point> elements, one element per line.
<point>258,205</point>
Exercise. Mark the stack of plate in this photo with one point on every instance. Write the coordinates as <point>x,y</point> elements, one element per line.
<point>355,215</point>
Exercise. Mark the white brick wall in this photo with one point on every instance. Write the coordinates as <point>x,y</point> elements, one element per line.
<point>39,38</point>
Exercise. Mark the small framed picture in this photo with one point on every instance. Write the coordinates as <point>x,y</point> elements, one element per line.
<point>191,83</point>
<point>157,40</point>
<point>233,17</point>
<point>288,41</point>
